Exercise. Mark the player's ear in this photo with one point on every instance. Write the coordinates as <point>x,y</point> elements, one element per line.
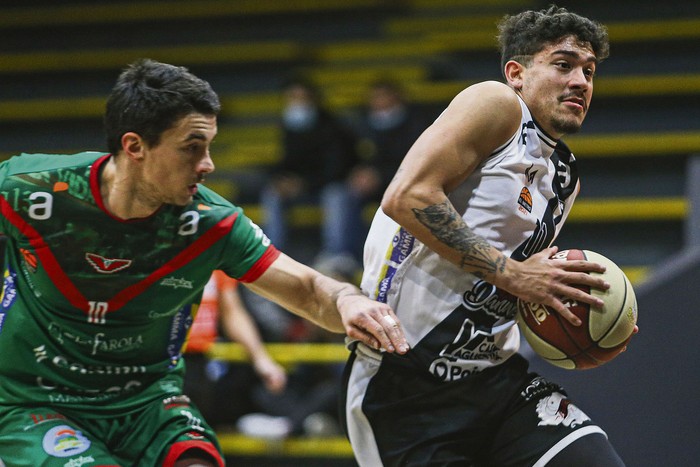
<point>133,145</point>
<point>513,71</point>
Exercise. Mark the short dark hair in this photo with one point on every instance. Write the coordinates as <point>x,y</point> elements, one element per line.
<point>389,84</point>
<point>527,33</point>
<point>149,97</point>
<point>298,80</point>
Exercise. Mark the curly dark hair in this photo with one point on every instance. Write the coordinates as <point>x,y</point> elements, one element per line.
<point>527,33</point>
<point>149,97</point>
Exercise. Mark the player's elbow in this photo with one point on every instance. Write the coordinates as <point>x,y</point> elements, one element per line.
<point>401,199</point>
<point>394,202</point>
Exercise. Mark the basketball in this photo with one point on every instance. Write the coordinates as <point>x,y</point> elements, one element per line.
<point>603,334</point>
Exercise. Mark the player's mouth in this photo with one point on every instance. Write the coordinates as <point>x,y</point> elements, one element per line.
<point>193,188</point>
<point>576,103</point>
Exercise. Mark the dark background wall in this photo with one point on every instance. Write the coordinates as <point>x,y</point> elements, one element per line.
<point>635,149</point>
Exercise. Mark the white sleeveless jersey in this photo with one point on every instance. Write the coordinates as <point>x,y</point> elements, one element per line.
<point>457,324</point>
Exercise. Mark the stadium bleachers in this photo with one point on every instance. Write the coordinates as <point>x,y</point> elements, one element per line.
<point>58,60</point>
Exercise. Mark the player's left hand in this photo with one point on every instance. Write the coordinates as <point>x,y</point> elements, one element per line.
<point>273,376</point>
<point>372,323</point>
<point>634,331</point>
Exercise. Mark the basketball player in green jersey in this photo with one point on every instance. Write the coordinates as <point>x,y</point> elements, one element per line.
<point>106,258</point>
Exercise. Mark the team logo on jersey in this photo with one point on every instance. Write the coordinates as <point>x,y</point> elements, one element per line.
<point>106,265</point>
<point>60,186</point>
<point>176,282</point>
<point>525,200</point>
<point>490,299</point>
<point>538,388</point>
<point>9,294</point>
<point>556,409</point>
<point>176,401</point>
<point>42,418</point>
<point>79,461</point>
<point>530,176</point>
<point>29,259</point>
<point>195,436</point>
<point>194,422</point>
<point>64,441</point>
<point>9,291</point>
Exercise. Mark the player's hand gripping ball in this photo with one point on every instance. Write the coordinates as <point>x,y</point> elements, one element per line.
<point>603,334</point>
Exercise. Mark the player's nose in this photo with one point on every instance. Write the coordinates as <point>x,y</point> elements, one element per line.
<point>206,164</point>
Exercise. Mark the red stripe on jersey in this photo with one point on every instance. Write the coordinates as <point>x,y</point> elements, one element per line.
<point>74,296</point>
<point>211,236</point>
<point>261,265</point>
<point>48,260</point>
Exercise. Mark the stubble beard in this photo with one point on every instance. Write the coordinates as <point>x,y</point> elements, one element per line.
<point>565,126</point>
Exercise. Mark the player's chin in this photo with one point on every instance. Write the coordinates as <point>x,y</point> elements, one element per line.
<point>188,195</point>
<point>183,200</point>
<point>569,125</point>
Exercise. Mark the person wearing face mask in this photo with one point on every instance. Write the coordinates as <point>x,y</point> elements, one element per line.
<point>387,129</point>
<point>317,149</point>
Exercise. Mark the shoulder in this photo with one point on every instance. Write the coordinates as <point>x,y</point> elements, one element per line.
<point>211,211</point>
<point>486,115</point>
<point>210,199</point>
<point>29,163</point>
<point>489,95</point>
<point>44,169</point>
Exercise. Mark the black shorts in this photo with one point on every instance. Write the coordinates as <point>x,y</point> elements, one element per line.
<point>503,416</point>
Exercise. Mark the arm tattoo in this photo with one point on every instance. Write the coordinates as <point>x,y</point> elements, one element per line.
<point>449,228</point>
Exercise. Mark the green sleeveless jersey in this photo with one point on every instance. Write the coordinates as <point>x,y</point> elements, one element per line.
<point>95,310</point>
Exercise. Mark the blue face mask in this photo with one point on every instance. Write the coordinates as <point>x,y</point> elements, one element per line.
<point>299,117</point>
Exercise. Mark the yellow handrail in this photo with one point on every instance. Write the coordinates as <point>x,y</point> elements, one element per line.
<point>284,353</point>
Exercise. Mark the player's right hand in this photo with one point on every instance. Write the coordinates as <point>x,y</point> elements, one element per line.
<point>544,279</point>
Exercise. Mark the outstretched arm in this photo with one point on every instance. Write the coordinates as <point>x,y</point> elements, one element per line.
<point>336,306</point>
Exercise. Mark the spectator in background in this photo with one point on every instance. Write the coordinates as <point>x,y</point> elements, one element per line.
<point>317,149</point>
<point>388,128</point>
<point>222,391</point>
<point>308,405</point>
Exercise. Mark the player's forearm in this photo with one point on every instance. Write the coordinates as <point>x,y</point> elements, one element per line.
<point>301,290</point>
<point>329,292</point>
<point>469,251</point>
<point>441,228</point>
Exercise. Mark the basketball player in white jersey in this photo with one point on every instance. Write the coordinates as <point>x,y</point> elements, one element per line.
<point>466,227</point>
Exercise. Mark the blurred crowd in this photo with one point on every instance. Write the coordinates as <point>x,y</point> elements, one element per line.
<point>342,164</point>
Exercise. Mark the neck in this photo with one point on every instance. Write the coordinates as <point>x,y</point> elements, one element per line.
<point>120,191</point>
